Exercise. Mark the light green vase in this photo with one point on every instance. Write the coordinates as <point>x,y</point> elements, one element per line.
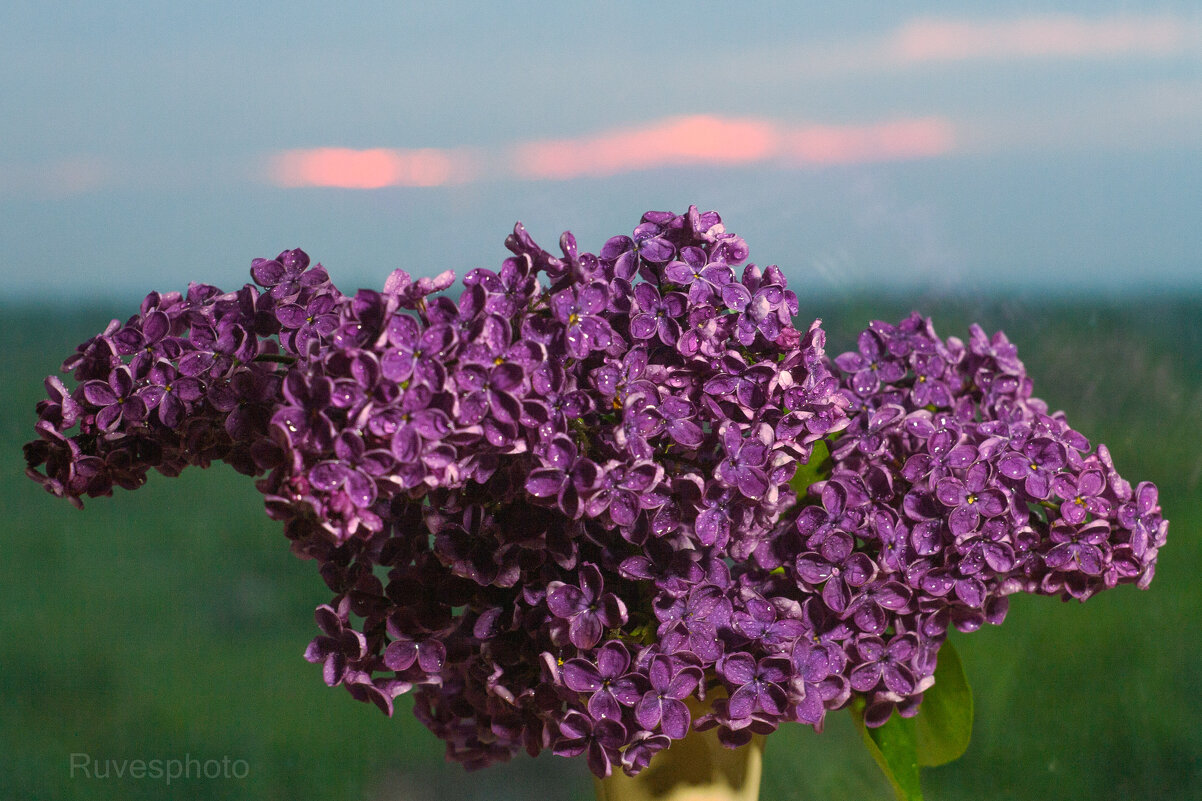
<point>697,768</point>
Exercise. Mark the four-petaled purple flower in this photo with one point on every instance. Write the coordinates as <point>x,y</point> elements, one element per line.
<point>601,740</point>
<point>1035,466</point>
<point>618,489</point>
<point>429,654</point>
<point>663,705</point>
<point>286,275</point>
<point>579,310</point>
<point>838,568</point>
<point>744,467</point>
<point>647,244</point>
<point>885,663</point>
<point>658,316</point>
<point>758,621</point>
<point>1082,495</point>
<point>759,685</point>
<point>1141,516</point>
<point>339,648</point>
<point>117,398</point>
<point>970,498</point>
<point>701,614</point>
<point>314,321</point>
<point>171,393</point>
<point>702,278</point>
<point>607,681</point>
<point>1079,547</point>
<point>871,366</point>
<point>587,610</point>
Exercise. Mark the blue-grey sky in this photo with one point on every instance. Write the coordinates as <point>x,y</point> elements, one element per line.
<point>960,147</point>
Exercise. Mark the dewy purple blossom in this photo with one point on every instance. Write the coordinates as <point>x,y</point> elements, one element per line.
<point>558,506</point>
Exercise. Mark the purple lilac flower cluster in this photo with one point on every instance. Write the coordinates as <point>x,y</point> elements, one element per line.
<point>951,489</point>
<point>558,509</point>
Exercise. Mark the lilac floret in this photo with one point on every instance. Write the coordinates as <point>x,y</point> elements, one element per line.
<point>586,609</point>
<point>606,681</point>
<point>662,706</point>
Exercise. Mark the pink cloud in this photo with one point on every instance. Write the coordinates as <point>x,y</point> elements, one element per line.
<point>715,141</point>
<point>700,140</point>
<point>1039,36</point>
<point>677,141</point>
<point>368,169</point>
<point>891,141</point>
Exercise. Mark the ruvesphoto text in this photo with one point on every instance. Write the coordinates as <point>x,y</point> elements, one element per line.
<point>85,766</point>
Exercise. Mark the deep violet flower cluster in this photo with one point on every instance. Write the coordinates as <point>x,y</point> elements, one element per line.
<point>559,510</point>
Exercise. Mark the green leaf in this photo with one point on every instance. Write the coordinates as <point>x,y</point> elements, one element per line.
<point>944,721</point>
<point>817,469</point>
<point>894,746</point>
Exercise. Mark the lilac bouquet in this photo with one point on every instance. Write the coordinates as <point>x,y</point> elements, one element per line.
<point>598,490</point>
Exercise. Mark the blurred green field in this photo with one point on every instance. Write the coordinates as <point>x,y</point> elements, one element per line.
<point>170,623</point>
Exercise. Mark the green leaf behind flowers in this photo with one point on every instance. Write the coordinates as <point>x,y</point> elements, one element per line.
<point>894,746</point>
<point>818,468</point>
<point>937,735</point>
<point>944,722</point>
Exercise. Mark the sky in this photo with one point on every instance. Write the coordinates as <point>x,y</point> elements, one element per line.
<point>950,147</point>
